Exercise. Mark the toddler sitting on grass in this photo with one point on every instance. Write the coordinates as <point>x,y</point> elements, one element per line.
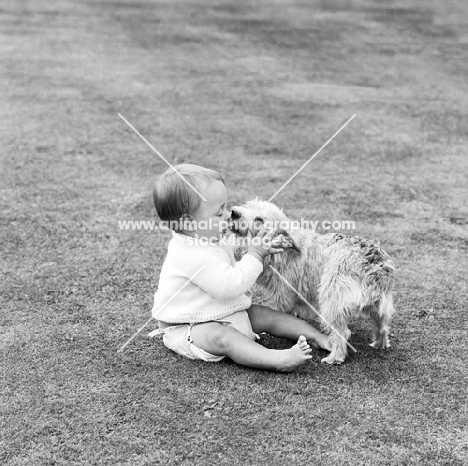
<point>203,303</point>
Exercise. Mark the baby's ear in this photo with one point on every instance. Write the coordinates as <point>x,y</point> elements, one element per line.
<point>187,222</point>
<point>288,241</point>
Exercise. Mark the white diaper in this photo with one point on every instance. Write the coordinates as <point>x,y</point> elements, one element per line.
<point>178,338</point>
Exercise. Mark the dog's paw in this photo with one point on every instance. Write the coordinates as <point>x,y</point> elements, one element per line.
<point>381,343</point>
<point>332,360</point>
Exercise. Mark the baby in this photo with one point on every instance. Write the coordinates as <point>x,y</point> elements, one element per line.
<point>203,303</point>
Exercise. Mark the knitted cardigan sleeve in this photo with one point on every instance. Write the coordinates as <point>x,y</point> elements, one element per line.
<point>222,280</point>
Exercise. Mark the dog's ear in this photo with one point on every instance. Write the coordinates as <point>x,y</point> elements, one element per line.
<point>288,241</point>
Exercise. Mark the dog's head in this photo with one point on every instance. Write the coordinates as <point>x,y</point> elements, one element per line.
<point>249,219</point>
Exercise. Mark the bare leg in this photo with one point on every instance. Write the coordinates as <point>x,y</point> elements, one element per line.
<point>280,324</point>
<point>223,340</point>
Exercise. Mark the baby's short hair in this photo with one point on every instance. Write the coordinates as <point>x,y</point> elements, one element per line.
<point>173,197</point>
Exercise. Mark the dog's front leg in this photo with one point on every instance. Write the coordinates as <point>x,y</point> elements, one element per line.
<point>339,335</point>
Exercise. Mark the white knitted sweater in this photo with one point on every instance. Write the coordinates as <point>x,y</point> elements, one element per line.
<point>219,285</point>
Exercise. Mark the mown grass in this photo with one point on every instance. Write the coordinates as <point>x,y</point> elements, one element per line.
<point>251,89</point>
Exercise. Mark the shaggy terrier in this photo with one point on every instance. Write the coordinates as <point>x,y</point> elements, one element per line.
<point>337,274</point>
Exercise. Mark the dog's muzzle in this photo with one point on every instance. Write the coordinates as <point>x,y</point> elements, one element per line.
<point>235,215</point>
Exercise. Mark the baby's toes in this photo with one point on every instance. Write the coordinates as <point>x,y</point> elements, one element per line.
<point>302,339</point>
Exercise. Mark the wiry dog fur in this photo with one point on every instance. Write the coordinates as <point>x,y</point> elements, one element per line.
<point>338,274</point>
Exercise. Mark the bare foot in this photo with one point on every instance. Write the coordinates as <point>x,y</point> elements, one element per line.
<point>295,356</point>
<point>321,342</point>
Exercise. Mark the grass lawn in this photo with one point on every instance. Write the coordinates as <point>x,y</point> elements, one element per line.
<point>252,89</point>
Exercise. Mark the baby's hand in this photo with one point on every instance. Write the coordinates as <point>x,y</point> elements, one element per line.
<point>265,243</point>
